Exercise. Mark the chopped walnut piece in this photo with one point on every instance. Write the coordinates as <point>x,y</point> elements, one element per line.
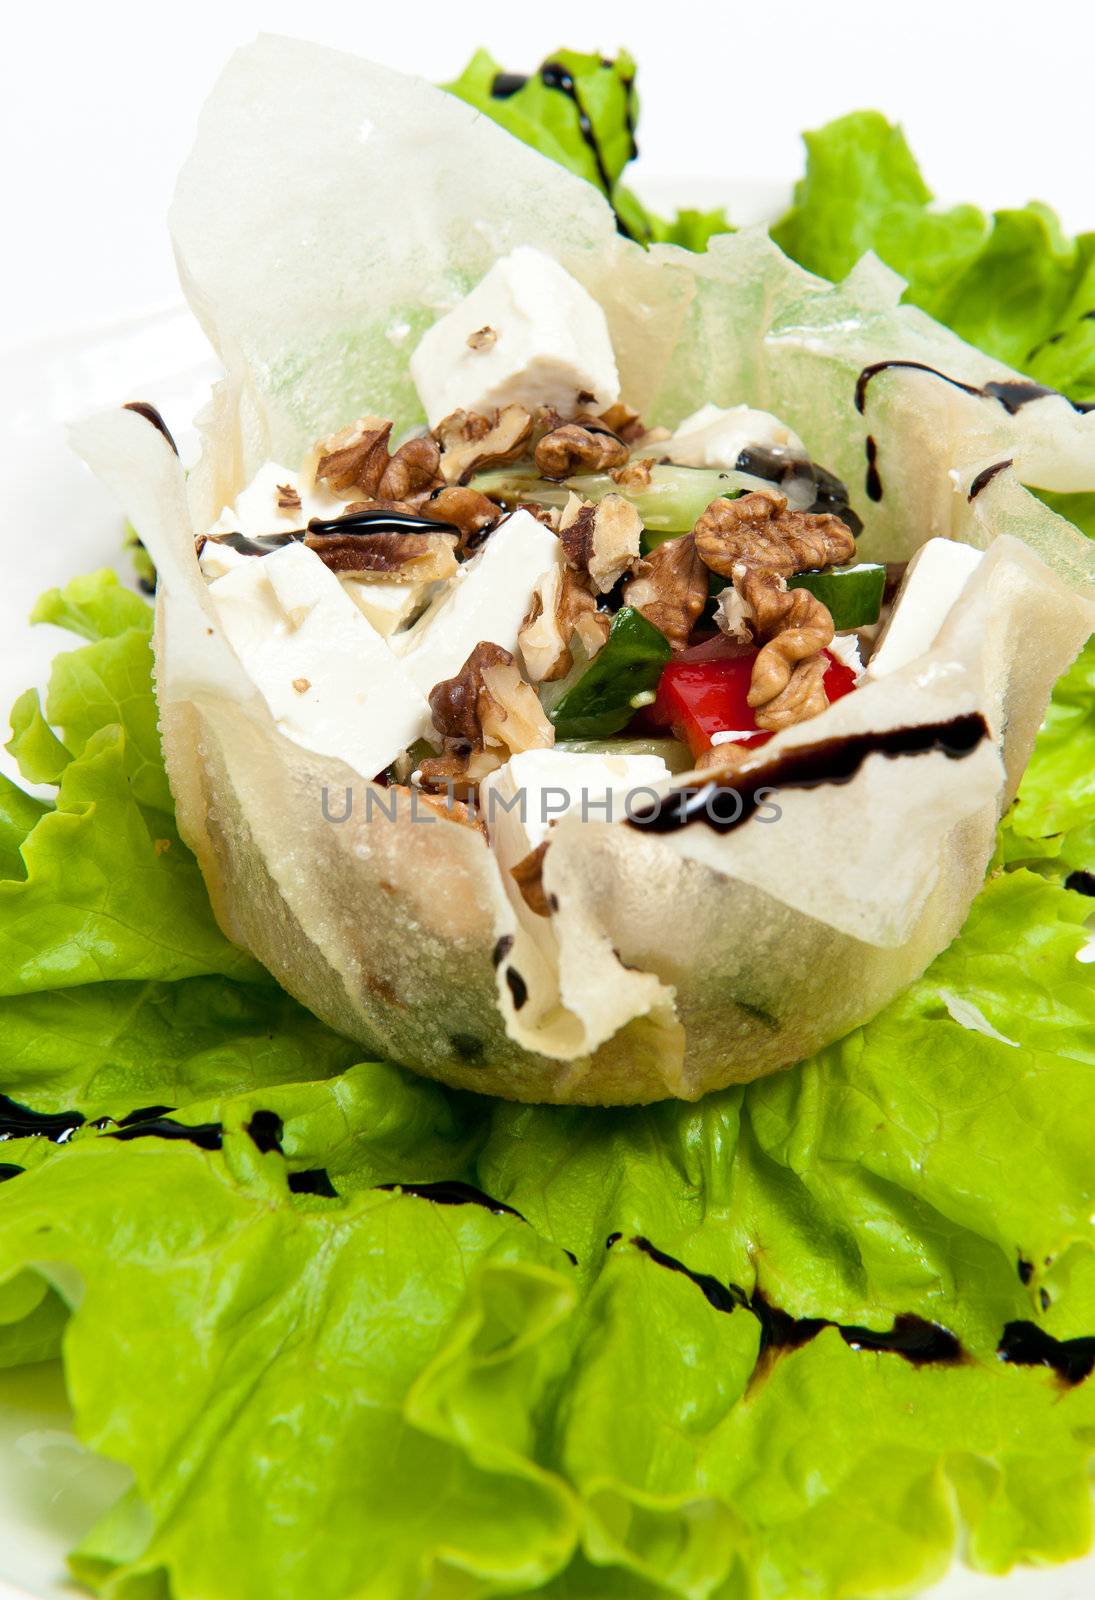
<point>402,506</point>
<point>470,442</point>
<point>488,707</point>
<point>356,457</point>
<point>722,759</point>
<point>458,773</point>
<point>579,447</point>
<point>548,515</point>
<point>413,472</point>
<point>623,422</point>
<point>562,609</point>
<point>450,808</point>
<point>467,510</point>
<point>670,588</point>
<point>759,529</point>
<point>601,539</point>
<point>412,557</point>
<point>636,474</point>
<point>482,339</point>
<point>288,498</point>
<point>528,875</point>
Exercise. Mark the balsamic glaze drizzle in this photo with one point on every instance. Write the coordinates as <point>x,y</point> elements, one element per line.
<point>911,1337</point>
<point>873,484</point>
<point>150,414</point>
<point>380,520</point>
<point>265,1129</point>
<point>313,1180</point>
<point>1011,393</point>
<point>985,477</point>
<point>725,804</point>
<point>554,75</point>
<point>20,1122</point>
<point>206,1135</point>
<point>362,523</point>
<point>1024,1344</point>
<point>9,1170</point>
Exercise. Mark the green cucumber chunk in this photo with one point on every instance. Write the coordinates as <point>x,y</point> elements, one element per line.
<point>671,503</point>
<point>853,595</point>
<point>677,756</point>
<point>624,671</point>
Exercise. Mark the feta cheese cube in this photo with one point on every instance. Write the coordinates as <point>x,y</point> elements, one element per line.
<point>487,599</point>
<point>256,510</point>
<point>715,436</point>
<point>388,604</point>
<point>528,333</point>
<point>936,576</point>
<point>329,679</point>
<point>521,800</point>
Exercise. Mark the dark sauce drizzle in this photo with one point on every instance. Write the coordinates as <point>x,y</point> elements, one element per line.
<point>266,1130</point>
<point>808,767</point>
<point>206,1135</point>
<point>313,1180</point>
<point>985,477</point>
<point>873,484</point>
<point>554,75</point>
<point>911,1337</point>
<point>9,1170</point>
<point>451,1192</point>
<point>20,1122</point>
<point>150,414</point>
<point>359,522</point>
<point>1012,393</point>
<point>1024,1344</point>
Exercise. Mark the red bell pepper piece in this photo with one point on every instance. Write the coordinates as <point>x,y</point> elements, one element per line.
<point>701,698</point>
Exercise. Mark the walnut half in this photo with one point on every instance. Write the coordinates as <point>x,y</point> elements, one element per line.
<point>412,557</point>
<point>579,447</point>
<point>470,442</point>
<point>759,529</point>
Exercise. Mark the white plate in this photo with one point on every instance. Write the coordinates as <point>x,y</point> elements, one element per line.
<point>59,522</point>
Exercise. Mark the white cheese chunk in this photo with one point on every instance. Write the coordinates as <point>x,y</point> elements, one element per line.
<point>521,800</point>
<point>715,436</point>
<point>256,509</point>
<point>937,574</point>
<point>217,559</point>
<point>528,333</point>
<point>845,646</point>
<point>487,599</point>
<point>388,604</point>
<point>329,679</point>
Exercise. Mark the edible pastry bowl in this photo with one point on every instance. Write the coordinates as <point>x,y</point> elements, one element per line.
<point>732,938</point>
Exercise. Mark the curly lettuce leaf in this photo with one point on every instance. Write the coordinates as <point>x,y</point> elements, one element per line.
<point>1014,284</point>
<point>404,1367</point>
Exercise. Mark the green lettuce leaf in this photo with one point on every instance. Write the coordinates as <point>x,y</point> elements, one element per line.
<point>1014,284</point>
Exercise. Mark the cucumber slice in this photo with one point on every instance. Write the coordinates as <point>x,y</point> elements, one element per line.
<point>669,504</point>
<point>677,756</point>
<point>853,595</point>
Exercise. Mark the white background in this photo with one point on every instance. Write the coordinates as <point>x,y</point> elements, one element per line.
<point>99,102</point>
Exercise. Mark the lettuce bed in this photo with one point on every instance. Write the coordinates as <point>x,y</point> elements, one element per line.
<point>355,1334</point>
